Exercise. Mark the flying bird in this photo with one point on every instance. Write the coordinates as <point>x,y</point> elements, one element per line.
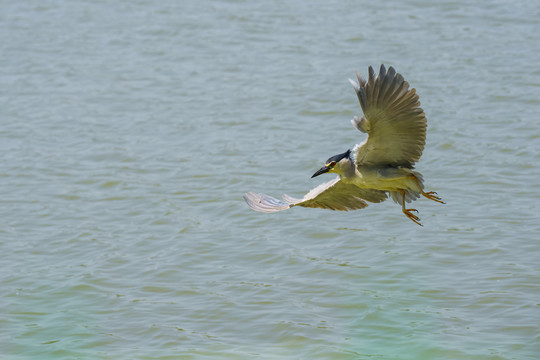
<point>379,167</point>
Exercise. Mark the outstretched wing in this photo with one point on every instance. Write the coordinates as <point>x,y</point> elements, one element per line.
<point>393,120</point>
<point>333,195</point>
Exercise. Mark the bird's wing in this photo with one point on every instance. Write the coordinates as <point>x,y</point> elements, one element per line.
<point>265,203</point>
<point>333,195</point>
<point>393,120</point>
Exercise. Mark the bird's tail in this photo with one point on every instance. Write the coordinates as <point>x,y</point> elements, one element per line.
<point>410,194</point>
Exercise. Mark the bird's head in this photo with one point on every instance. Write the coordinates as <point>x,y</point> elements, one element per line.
<point>335,164</point>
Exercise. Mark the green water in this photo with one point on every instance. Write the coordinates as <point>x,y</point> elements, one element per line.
<point>129,131</point>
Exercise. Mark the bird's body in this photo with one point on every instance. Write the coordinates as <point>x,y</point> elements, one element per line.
<point>383,163</point>
<point>375,177</point>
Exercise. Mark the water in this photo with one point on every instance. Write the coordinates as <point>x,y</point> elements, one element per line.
<point>130,129</point>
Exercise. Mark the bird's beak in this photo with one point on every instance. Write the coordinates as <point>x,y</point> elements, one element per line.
<point>322,170</point>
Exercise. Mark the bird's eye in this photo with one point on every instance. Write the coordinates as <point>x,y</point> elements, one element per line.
<point>332,164</point>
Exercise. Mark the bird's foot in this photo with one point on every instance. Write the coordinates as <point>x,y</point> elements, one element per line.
<point>432,195</point>
<point>408,213</point>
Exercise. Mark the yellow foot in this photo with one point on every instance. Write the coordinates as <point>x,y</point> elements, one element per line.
<point>408,213</point>
<point>432,195</point>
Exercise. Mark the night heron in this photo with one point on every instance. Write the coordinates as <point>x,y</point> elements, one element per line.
<point>383,164</point>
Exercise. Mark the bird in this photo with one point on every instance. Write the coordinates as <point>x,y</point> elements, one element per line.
<point>382,165</point>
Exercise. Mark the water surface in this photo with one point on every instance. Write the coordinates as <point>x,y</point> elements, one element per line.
<point>129,131</point>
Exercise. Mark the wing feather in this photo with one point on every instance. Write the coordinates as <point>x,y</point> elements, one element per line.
<point>265,203</point>
<point>393,120</point>
<point>333,195</point>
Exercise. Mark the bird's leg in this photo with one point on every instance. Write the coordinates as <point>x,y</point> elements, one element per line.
<point>432,195</point>
<point>408,212</point>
